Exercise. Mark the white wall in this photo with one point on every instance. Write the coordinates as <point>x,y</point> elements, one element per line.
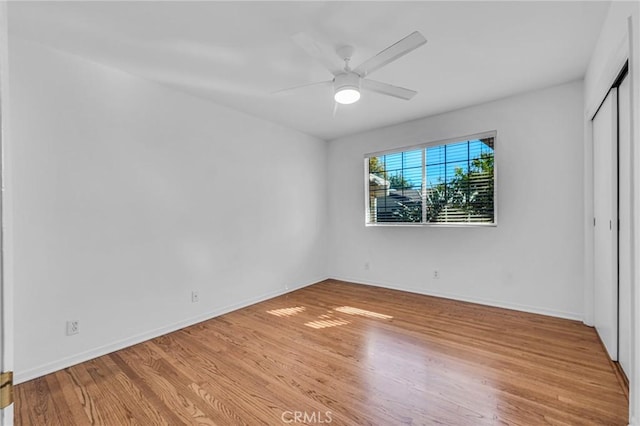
<point>618,41</point>
<point>533,259</point>
<point>128,195</point>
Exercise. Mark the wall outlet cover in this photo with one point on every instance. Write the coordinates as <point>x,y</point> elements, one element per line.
<point>73,327</point>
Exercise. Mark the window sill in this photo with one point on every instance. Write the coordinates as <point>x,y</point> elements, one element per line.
<point>431,225</point>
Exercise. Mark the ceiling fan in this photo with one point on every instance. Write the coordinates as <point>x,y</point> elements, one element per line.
<point>348,82</point>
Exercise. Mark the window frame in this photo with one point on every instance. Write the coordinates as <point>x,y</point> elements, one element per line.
<point>423,146</point>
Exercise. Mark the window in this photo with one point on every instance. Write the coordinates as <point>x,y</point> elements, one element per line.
<point>446,182</point>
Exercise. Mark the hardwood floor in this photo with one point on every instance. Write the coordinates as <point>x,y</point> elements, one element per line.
<point>344,354</point>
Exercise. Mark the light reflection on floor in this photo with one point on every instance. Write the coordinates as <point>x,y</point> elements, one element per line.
<point>417,372</point>
<point>427,381</point>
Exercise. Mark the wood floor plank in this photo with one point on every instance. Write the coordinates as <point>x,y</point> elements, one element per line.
<point>143,390</point>
<point>344,354</point>
<point>62,405</point>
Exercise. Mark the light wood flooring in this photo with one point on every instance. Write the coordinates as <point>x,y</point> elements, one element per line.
<point>344,354</point>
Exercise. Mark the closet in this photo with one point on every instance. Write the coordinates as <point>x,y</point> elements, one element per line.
<point>612,217</point>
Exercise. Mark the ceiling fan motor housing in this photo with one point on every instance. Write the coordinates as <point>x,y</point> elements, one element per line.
<point>347,80</point>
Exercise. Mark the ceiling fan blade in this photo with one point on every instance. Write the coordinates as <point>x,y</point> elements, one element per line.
<point>319,52</point>
<point>302,86</point>
<point>391,53</point>
<point>388,89</point>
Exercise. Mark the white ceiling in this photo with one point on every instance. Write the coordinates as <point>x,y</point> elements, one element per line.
<point>237,53</point>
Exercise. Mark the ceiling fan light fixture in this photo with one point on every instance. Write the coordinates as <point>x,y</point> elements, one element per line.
<point>347,95</point>
<point>347,88</point>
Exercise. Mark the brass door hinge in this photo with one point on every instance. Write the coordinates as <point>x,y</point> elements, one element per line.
<point>6,389</point>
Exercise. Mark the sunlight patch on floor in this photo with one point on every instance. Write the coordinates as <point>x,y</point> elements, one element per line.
<point>287,312</point>
<point>326,323</point>
<point>361,312</point>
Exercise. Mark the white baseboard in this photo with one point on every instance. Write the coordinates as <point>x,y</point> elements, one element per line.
<point>32,373</point>
<point>23,376</point>
<point>480,301</point>
<point>6,419</point>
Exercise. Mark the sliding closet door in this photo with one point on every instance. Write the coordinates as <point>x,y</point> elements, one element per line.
<point>605,221</point>
<point>624,235</point>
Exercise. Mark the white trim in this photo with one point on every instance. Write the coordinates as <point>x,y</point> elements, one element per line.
<point>6,271</point>
<point>588,225</point>
<point>634,73</point>
<point>8,416</point>
<point>437,224</point>
<point>32,373</point>
<point>367,205</point>
<point>423,184</point>
<point>481,301</point>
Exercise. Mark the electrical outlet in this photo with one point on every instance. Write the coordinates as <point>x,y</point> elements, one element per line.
<point>436,274</point>
<point>195,297</point>
<point>73,327</point>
